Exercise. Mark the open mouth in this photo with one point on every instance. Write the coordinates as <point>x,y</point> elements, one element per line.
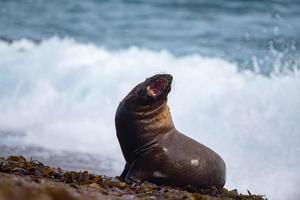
<point>157,88</point>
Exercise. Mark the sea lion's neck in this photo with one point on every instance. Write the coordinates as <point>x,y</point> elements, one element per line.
<point>140,128</point>
<point>151,123</point>
<point>155,119</point>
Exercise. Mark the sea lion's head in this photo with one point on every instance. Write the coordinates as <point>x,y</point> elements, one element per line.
<point>153,90</point>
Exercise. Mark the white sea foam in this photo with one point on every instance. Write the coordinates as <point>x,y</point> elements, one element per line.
<point>64,94</point>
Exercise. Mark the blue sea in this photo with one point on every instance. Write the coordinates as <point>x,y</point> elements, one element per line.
<point>65,66</point>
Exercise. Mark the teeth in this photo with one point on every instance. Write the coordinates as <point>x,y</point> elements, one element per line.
<point>153,92</point>
<point>150,92</point>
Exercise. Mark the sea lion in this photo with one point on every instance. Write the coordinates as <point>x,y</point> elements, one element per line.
<point>152,147</point>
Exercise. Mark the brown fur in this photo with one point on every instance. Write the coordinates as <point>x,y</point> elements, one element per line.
<point>155,151</point>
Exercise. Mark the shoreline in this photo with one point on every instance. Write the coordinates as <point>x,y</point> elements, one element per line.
<point>22,179</point>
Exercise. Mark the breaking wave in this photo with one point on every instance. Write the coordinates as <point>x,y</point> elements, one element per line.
<point>62,95</point>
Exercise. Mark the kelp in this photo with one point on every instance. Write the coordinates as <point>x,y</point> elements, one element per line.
<point>63,184</point>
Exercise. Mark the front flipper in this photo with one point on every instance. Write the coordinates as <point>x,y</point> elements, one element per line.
<point>139,171</point>
<point>125,171</point>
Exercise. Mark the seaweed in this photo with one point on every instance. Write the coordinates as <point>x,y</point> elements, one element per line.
<point>63,184</point>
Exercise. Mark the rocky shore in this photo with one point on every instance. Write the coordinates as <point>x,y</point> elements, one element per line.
<point>22,179</point>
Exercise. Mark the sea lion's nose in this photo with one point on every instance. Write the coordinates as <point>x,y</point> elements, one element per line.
<point>169,77</point>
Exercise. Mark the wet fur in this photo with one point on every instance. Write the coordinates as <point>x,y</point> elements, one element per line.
<point>155,151</point>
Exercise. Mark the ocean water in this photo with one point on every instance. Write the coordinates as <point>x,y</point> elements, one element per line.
<point>65,66</point>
